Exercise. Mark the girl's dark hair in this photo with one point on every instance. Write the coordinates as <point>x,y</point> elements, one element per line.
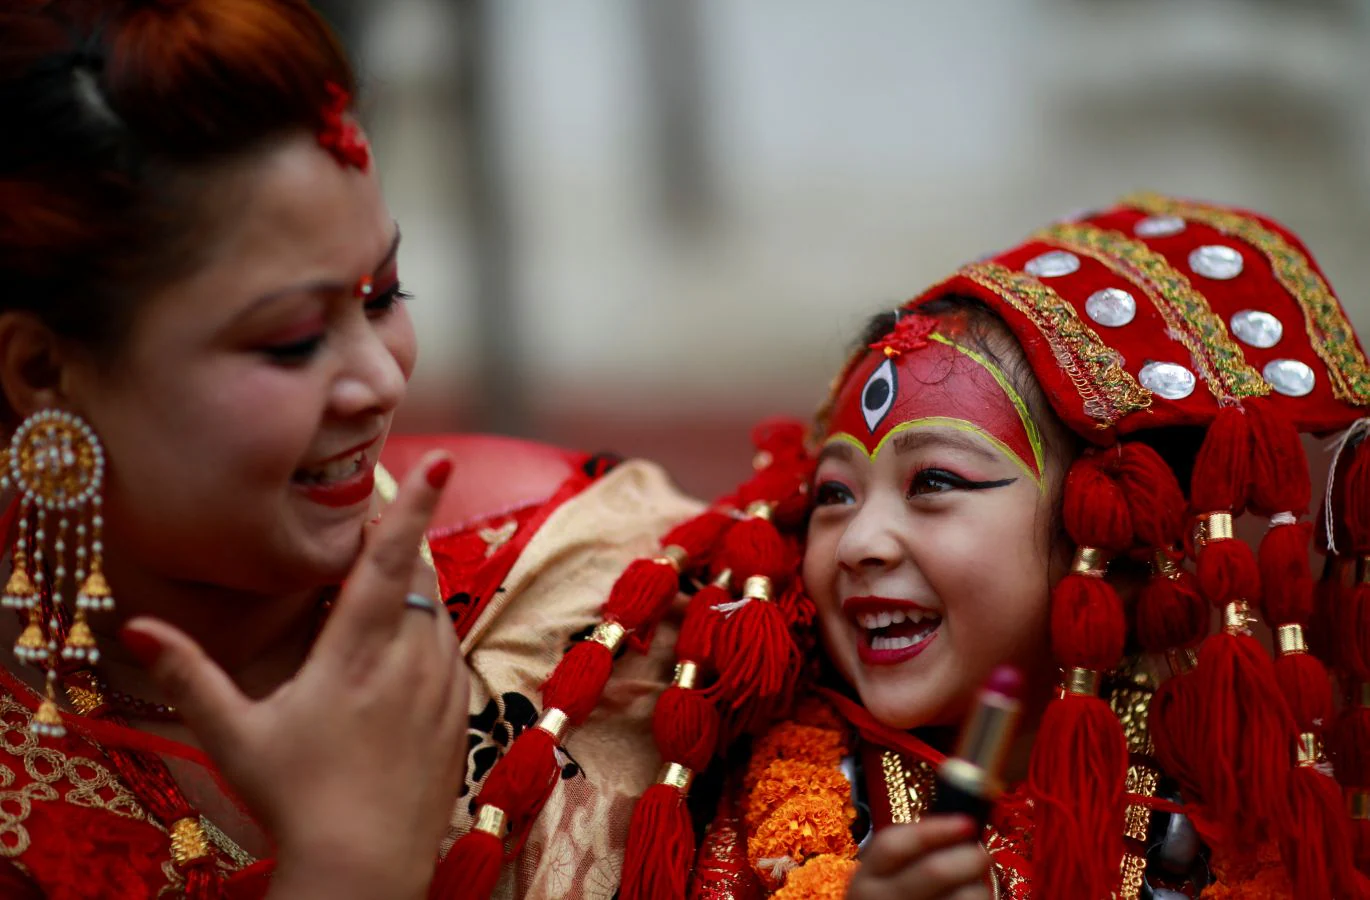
<point>114,112</point>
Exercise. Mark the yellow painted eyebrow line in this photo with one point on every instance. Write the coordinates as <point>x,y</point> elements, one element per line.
<point>1034,434</point>
<point>942,422</point>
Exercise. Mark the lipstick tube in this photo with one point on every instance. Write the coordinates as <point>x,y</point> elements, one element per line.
<point>969,782</point>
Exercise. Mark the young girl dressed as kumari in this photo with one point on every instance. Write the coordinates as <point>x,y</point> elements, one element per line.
<point>1039,462</point>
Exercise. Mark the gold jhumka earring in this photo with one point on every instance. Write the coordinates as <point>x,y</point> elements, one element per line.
<point>58,467</point>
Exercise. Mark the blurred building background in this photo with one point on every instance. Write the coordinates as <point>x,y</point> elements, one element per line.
<point>642,225</point>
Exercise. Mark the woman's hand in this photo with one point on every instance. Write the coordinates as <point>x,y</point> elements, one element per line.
<point>353,766</point>
<point>934,859</point>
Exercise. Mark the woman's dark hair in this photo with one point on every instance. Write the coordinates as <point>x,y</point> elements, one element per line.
<point>114,112</point>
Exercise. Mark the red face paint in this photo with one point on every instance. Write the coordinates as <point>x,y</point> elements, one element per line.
<point>919,378</point>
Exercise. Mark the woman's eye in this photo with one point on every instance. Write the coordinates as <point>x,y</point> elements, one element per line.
<point>382,303</point>
<point>934,481</point>
<point>832,493</point>
<point>294,353</point>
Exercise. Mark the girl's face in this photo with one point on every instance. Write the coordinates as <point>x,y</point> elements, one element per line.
<point>931,550</point>
<point>246,411</point>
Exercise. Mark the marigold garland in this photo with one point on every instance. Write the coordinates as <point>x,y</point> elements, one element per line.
<point>797,804</point>
<point>821,878</point>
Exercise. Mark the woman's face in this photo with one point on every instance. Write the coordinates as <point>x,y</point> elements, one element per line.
<point>931,552</point>
<point>243,417</point>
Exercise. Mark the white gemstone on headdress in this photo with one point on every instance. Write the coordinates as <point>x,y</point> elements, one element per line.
<point>1171,381</point>
<point>1158,226</point>
<point>1053,264</point>
<point>1216,261</point>
<point>1257,328</point>
<point>1290,377</point>
<point>1113,307</point>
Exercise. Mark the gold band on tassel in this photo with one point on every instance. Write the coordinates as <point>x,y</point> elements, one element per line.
<point>1363,570</point>
<point>1290,639</point>
<point>1165,565</point>
<point>760,510</point>
<point>1237,618</point>
<point>554,722</point>
<point>757,587</point>
<point>686,675</point>
<point>1182,661</point>
<point>673,555</point>
<point>1358,804</point>
<point>610,635</point>
<point>492,820</point>
<point>1365,694</point>
<point>676,775</point>
<point>1089,561</point>
<point>1308,749</point>
<point>1084,682</point>
<point>1214,526</point>
<point>724,580</point>
<point>188,841</point>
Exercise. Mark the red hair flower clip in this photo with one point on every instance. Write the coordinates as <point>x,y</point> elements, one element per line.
<point>340,135</point>
<point>910,333</point>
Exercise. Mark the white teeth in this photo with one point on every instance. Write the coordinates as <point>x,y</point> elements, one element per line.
<point>880,642</point>
<point>885,620</point>
<point>337,470</point>
<point>898,616</point>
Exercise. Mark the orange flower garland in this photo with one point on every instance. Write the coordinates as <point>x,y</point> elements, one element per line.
<point>797,806</point>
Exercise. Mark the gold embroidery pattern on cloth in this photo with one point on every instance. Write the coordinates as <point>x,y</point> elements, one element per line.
<point>1324,321</point>
<point>1186,312</point>
<point>92,785</point>
<point>1109,392</point>
<point>1131,703</point>
<point>910,793</point>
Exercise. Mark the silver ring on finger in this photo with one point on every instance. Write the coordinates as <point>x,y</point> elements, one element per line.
<point>422,603</point>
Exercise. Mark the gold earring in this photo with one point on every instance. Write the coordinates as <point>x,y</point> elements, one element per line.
<point>56,463</point>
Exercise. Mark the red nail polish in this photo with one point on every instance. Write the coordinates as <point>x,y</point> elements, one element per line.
<point>145,648</point>
<point>438,475</point>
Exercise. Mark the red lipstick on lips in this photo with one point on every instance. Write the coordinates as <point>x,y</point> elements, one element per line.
<point>856,607</point>
<point>349,492</point>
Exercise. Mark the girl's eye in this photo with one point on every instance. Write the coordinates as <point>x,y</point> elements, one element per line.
<point>832,493</point>
<point>934,481</point>
<point>295,353</point>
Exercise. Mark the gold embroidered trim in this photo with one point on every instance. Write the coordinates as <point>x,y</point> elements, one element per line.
<point>910,793</point>
<point>1328,330</point>
<point>92,785</point>
<point>1185,310</point>
<point>1109,392</point>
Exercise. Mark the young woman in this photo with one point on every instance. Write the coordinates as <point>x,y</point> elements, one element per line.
<point>1018,467</point>
<point>203,341</point>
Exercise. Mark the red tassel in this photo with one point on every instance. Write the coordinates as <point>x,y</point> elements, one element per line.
<point>1279,467</point>
<point>1177,727</point>
<point>1352,622</point>
<point>699,626</point>
<point>755,657</point>
<point>1171,614</point>
<point>1355,502</point>
<point>661,847</point>
<point>523,779</point>
<point>1286,580</point>
<point>1318,852</point>
<point>1347,746</point>
<point>1095,509</point>
<point>1246,773</point>
<point>699,536</point>
<point>575,685</point>
<point>685,726</point>
<point>1088,629</point>
<point>1076,777</point>
<point>1222,468</point>
<point>1306,688</point>
<point>1227,571</point>
<point>754,547</point>
<point>470,870</point>
<point>642,595</point>
<point>1155,501</point>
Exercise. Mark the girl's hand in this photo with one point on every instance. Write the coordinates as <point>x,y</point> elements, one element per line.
<point>934,859</point>
<point>353,766</point>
